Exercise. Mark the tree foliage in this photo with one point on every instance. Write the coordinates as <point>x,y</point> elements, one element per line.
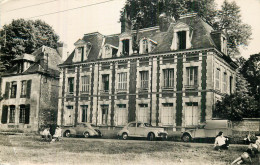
<point>25,36</point>
<point>243,103</point>
<point>238,105</point>
<point>251,71</point>
<point>228,19</point>
<point>145,13</point>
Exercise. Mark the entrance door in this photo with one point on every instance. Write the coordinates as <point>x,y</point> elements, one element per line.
<point>69,117</point>
<point>191,113</point>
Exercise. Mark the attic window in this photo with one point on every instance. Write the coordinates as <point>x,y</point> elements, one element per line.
<point>125,49</point>
<point>181,40</point>
<point>80,52</point>
<point>145,46</point>
<point>108,51</point>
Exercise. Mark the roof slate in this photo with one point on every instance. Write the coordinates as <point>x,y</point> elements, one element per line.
<point>200,31</point>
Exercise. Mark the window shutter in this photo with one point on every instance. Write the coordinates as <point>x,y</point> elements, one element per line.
<point>7,89</point>
<point>28,90</point>
<point>4,114</point>
<point>27,114</point>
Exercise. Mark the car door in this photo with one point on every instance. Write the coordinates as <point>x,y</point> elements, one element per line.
<point>140,130</point>
<point>80,129</point>
<point>131,128</point>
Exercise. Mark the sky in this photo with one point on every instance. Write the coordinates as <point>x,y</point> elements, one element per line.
<point>80,17</point>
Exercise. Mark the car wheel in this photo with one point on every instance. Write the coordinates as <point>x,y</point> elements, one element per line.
<point>186,138</point>
<point>151,136</point>
<point>164,138</point>
<point>86,134</point>
<point>124,136</point>
<point>67,134</point>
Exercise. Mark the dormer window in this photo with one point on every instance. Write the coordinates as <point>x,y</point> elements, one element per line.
<point>147,45</point>
<point>81,51</point>
<point>182,36</point>
<point>125,49</point>
<point>108,51</point>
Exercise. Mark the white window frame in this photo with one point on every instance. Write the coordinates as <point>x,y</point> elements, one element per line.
<point>85,83</point>
<point>122,81</point>
<point>168,78</point>
<point>192,78</point>
<point>144,79</point>
<point>217,78</point>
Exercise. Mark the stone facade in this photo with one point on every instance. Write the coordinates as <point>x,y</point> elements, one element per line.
<point>30,93</point>
<point>171,86</point>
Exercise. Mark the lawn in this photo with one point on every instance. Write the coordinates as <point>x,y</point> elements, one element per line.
<point>23,149</point>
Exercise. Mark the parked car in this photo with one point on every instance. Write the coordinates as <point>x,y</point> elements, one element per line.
<point>140,129</point>
<point>208,130</point>
<point>82,129</point>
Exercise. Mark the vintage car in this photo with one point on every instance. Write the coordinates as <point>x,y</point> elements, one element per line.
<point>140,129</point>
<point>82,129</point>
<point>208,130</point>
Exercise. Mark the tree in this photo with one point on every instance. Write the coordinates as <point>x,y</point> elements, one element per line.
<point>228,19</point>
<point>25,36</point>
<point>239,105</point>
<point>145,13</point>
<point>251,71</point>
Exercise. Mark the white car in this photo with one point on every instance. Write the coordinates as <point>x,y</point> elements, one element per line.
<point>140,129</point>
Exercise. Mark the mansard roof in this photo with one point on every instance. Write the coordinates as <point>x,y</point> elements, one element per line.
<point>200,32</point>
<point>54,59</point>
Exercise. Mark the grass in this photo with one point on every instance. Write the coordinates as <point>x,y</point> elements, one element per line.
<point>31,150</point>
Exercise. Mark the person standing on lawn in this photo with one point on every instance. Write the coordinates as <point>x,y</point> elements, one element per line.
<point>221,142</point>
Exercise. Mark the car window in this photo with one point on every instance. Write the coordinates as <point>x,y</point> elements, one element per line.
<point>140,125</point>
<point>132,125</point>
<point>147,125</point>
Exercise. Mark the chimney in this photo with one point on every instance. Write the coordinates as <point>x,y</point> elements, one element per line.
<point>220,41</point>
<point>164,22</point>
<point>126,24</point>
<point>62,50</point>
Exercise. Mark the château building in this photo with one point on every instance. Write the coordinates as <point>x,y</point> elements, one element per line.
<point>169,75</point>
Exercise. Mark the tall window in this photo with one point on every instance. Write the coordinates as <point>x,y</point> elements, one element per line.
<point>125,47</point>
<point>121,114</point>
<point>192,113</point>
<point>181,40</point>
<point>168,75</point>
<point>70,85</point>
<point>192,76</point>
<point>12,114</point>
<point>105,82</point>
<point>224,84</point>
<point>145,46</point>
<point>13,89</point>
<point>167,114</point>
<point>122,81</point>
<point>144,79</point>
<point>85,84</point>
<point>230,84</point>
<point>104,109</point>
<point>84,113</point>
<point>24,114</point>
<point>23,88</point>
<point>142,114</point>
<point>217,78</point>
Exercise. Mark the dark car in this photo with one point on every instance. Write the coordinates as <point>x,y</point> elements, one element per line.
<point>82,129</point>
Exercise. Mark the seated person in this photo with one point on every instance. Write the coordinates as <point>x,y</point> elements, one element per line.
<point>251,151</point>
<point>46,135</point>
<point>58,134</point>
<point>221,142</point>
